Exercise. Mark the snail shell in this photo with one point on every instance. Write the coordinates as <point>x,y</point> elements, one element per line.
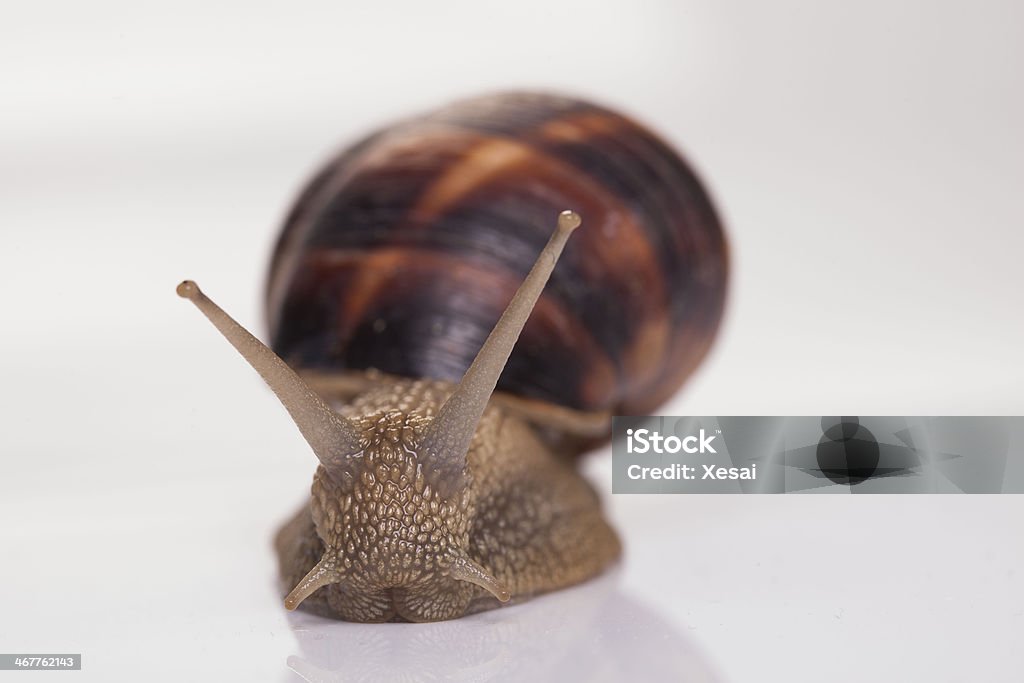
<point>403,251</point>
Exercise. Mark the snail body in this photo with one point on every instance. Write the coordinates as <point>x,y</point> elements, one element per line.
<point>395,302</point>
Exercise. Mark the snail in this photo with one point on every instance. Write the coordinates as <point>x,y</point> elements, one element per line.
<point>446,373</point>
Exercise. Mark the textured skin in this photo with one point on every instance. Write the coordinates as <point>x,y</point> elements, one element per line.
<point>403,251</point>
<point>525,515</point>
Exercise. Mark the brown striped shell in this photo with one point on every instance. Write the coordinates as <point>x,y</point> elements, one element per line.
<point>404,250</point>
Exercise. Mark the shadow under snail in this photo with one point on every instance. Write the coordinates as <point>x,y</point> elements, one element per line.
<point>446,402</point>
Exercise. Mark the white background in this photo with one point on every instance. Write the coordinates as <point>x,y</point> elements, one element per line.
<point>866,156</point>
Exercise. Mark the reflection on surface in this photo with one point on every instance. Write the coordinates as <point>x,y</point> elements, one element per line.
<point>592,632</point>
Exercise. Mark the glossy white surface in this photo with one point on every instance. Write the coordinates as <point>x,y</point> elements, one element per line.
<point>867,158</point>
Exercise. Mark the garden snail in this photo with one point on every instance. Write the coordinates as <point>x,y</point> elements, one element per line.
<point>437,496</point>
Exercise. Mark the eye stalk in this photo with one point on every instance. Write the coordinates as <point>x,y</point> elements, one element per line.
<point>447,438</point>
<point>332,437</point>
